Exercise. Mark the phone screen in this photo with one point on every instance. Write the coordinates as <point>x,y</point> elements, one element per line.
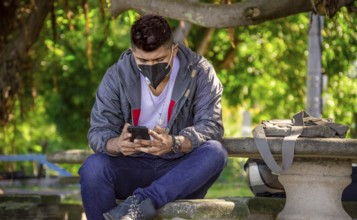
<point>139,132</point>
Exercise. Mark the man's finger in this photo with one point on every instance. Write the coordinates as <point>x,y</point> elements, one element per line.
<point>145,149</point>
<point>159,130</point>
<point>149,150</point>
<point>142,142</point>
<point>127,135</point>
<point>125,129</point>
<point>154,135</point>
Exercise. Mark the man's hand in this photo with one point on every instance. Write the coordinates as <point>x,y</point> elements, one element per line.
<point>122,144</point>
<point>159,145</point>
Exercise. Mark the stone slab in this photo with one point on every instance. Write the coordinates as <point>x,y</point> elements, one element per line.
<point>204,209</point>
<point>74,156</point>
<point>245,147</point>
<point>304,147</point>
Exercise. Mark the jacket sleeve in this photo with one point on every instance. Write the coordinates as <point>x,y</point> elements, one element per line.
<point>207,108</point>
<point>106,119</point>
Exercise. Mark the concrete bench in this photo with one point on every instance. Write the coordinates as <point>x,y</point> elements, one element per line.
<point>313,184</point>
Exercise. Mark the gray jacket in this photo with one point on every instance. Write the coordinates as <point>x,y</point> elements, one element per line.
<point>195,107</point>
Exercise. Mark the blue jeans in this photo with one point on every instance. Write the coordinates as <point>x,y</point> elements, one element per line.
<point>104,178</point>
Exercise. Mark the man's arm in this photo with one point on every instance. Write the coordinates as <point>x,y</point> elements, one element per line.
<point>207,122</point>
<point>106,117</point>
<point>186,145</point>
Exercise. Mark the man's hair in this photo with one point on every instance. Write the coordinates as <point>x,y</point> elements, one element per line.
<point>150,32</point>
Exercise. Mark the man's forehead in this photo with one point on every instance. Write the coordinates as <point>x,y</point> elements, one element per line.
<point>160,52</point>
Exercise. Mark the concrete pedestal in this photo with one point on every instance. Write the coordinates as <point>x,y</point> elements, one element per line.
<point>314,188</point>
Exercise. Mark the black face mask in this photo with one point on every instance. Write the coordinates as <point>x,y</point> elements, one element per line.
<point>156,73</point>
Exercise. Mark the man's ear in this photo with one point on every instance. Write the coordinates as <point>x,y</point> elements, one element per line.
<point>133,50</point>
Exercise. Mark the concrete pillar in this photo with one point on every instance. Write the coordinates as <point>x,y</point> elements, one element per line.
<point>314,188</point>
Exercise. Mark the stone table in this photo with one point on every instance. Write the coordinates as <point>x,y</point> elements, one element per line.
<point>314,183</point>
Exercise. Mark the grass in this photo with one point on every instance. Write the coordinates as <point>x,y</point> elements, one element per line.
<point>232,181</point>
<point>219,190</point>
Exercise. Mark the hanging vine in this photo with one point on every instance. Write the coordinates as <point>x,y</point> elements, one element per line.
<point>85,7</point>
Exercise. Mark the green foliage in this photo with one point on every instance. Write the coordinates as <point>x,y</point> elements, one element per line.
<point>340,65</point>
<point>30,134</point>
<point>219,190</point>
<point>342,91</point>
<point>266,71</point>
<point>74,66</point>
<point>264,65</point>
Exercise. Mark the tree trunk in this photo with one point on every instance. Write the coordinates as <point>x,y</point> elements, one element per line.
<point>223,15</point>
<point>314,76</point>
<point>14,53</point>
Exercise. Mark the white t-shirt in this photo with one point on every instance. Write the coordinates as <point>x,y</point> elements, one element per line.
<point>152,106</point>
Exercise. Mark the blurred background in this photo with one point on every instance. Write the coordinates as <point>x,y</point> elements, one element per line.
<point>48,91</point>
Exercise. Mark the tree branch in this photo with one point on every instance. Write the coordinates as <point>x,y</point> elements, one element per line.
<point>29,31</point>
<point>219,15</point>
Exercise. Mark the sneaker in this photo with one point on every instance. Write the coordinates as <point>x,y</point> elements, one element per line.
<point>132,209</point>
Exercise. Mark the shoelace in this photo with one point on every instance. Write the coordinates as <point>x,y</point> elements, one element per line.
<point>135,213</point>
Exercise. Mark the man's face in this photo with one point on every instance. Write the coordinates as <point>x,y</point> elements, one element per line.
<point>160,55</point>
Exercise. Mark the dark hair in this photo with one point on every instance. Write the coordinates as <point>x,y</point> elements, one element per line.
<point>150,32</point>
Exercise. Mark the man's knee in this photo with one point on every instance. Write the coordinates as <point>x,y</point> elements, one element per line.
<point>94,165</point>
<point>215,151</point>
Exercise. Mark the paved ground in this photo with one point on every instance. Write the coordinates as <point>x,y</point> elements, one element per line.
<point>59,186</point>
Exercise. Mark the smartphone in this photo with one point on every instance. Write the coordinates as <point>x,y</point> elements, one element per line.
<point>138,132</point>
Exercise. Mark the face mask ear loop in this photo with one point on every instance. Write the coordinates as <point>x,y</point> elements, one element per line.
<point>147,80</point>
<point>172,52</point>
<point>138,66</point>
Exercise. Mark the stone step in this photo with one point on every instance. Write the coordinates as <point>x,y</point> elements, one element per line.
<point>30,206</point>
<point>204,209</point>
<point>245,208</point>
<point>41,207</point>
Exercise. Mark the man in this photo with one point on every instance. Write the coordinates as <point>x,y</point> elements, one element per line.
<point>176,94</point>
